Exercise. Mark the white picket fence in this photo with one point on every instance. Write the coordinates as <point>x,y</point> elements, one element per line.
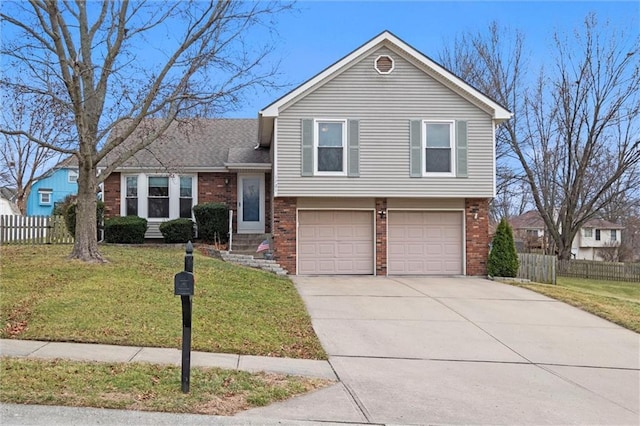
<point>33,230</point>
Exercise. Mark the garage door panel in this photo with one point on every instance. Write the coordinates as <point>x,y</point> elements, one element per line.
<point>423,243</point>
<point>335,242</point>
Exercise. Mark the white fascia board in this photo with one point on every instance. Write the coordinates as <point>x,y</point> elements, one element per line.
<point>500,114</point>
<point>274,109</point>
<point>248,166</point>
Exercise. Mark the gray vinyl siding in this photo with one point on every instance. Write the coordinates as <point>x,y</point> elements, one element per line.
<point>384,106</point>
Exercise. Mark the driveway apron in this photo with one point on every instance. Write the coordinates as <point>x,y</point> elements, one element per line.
<point>422,350</point>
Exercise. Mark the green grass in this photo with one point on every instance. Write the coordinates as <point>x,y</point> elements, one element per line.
<point>144,387</point>
<point>618,302</point>
<point>130,301</point>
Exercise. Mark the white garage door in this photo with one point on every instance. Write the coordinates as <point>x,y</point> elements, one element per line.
<point>335,242</point>
<point>424,243</point>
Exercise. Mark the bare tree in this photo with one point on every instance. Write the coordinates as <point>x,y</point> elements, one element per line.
<point>120,62</point>
<point>494,63</point>
<point>581,120</point>
<point>575,121</point>
<point>22,161</point>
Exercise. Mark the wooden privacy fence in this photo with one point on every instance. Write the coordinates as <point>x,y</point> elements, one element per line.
<point>33,230</point>
<point>609,271</point>
<point>539,268</point>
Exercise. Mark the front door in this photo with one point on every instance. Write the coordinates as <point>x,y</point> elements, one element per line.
<point>251,204</point>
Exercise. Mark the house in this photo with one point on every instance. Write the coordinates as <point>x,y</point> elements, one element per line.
<point>8,201</point>
<point>383,163</point>
<point>528,232</point>
<point>53,187</point>
<point>594,238</point>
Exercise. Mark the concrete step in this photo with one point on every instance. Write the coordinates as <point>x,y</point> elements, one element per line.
<point>269,265</point>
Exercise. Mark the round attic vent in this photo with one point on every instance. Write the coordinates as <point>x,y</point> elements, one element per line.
<point>383,64</point>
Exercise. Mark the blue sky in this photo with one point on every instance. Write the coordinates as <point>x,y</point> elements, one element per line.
<point>318,33</point>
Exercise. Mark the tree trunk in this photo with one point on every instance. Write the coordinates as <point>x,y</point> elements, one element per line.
<point>564,249</point>
<point>85,247</point>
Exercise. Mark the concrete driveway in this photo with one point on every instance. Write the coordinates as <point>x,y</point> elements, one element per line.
<point>463,351</point>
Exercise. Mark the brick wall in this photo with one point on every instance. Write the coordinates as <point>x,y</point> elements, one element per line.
<point>477,235</point>
<point>284,232</point>
<point>381,237</point>
<point>111,195</point>
<point>213,189</point>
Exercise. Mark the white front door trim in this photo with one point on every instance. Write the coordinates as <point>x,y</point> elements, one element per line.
<point>248,221</point>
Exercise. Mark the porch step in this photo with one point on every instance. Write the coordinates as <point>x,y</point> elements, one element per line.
<point>248,260</point>
<point>248,243</point>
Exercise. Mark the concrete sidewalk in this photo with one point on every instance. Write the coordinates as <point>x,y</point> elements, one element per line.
<point>114,353</point>
<point>333,397</point>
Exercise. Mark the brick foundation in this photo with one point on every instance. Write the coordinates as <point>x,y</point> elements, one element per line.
<point>284,232</point>
<point>381,237</point>
<point>476,212</point>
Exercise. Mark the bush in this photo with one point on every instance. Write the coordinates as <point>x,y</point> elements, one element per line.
<point>67,209</point>
<point>177,231</point>
<point>213,221</point>
<point>125,230</point>
<point>503,259</point>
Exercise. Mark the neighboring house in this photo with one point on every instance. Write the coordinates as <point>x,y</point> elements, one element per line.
<point>595,236</point>
<point>528,232</point>
<point>52,188</point>
<point>383,163</point>
<point>8,204</point>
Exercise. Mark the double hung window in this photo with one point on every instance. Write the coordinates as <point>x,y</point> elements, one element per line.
<point>45,197</point>
<point>331,146</point>
<point>186,196</point>
<point>158,199</point>
<point>131,208</point>
<point>439,148</point>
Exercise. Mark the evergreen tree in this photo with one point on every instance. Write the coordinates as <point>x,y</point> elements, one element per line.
<point>503,259</point>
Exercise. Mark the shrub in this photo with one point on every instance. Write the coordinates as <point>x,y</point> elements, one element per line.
<point>503,259</point>
<point>67,209</point>
<point>177,231</point>
<point>125,230</point>
<point>213,221</point>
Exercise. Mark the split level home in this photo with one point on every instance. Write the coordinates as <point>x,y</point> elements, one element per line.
<point>595,236</point>
<point>381,164</point>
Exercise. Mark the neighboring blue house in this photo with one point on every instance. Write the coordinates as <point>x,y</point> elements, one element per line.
<point>53,187</point>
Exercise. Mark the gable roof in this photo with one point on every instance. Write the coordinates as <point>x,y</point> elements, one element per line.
<point>386,38</point>
<point>195,144</point>
<point>527,220</point>
<point>532,220</point>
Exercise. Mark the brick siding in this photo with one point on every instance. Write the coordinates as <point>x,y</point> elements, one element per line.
<point>213,189</point>
<point>284,232</point>
<point>477,235</point>
<point>381,237</point>
<point>111,195</point>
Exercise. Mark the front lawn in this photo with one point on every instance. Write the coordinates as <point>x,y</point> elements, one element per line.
<point>130,301</point>
<point>144,387</point>
<point>616,301</point>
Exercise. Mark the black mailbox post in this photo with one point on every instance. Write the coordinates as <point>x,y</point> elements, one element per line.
<point>184,285</point>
